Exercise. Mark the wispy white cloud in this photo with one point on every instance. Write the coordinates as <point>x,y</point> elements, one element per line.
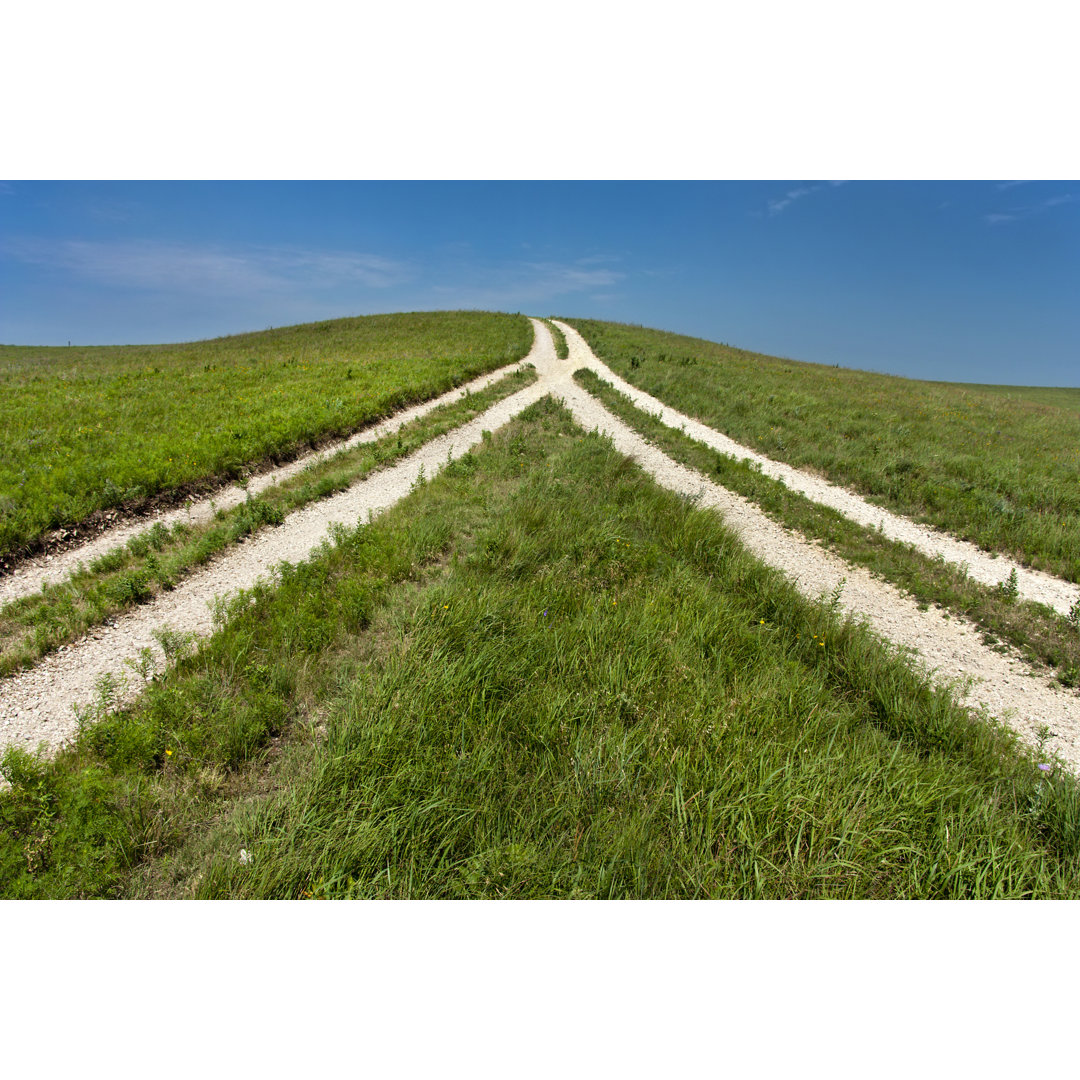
<point>776,206</point>
<point>278,283</point>
<point>596,260</point>
<point>523,283</point>
<point>190,268</point>
<point>111,213</point>
<point>1006,184</point>
<point>573,278</point>
<point>1018,213</point>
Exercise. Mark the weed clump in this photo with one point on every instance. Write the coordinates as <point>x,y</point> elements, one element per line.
<point>1009,589</point>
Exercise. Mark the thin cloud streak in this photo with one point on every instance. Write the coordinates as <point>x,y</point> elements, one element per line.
<point>596,260</point>
<point>208,270</point>
<point>572,278</point>
<point>300,280</point>
<point>111,214</point>
<point>776,206</point>
<point>996,218</point>
<point>525,283</point>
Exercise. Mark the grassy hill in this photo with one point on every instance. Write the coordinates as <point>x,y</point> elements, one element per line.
<point>88,429</point>
<point>542,675</point>
<point>999,466</point>
<point>159,558</point>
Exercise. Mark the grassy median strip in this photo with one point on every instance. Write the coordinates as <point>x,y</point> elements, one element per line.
<point>1039,632</point>
<point>539,675</point>
<point>160,558</point>
<point>998,468</point>
<point>562,350</point>
<point>89,429</point>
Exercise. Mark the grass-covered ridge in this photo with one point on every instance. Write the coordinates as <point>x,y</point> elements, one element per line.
<point>994,467</point>
<point>1039,633</point>
<point>540,675</point>
<point>87,429</point>
<point>159,558</point>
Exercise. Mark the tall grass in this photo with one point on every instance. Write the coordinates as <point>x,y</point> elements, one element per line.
<point>999,469</point>
<point>540,675</point>
<point>88,430</point>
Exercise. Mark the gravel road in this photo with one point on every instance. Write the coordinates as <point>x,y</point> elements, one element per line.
<point>949,648</point>
<point>37,705</point>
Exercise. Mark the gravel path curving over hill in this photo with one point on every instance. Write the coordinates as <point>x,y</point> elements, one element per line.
<point>951,649</point>
<point>981,565</point>
<point>37,705</point>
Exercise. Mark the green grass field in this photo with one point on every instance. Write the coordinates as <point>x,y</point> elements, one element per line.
<point>88,429</point>
<point>159,558</point>
<point>1066,398</point>
<point>1040,634</point>
<point>539,675</point>
<point>998,466</point>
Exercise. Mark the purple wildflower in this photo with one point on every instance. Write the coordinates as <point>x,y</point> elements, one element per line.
<point>1044,768</point>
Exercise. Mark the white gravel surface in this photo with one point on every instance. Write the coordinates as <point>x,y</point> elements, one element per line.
<point>37,705</point>
<point>982,566</point>
<point>31,575</point>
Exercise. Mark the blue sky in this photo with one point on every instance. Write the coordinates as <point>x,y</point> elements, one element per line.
<point>968,281</point>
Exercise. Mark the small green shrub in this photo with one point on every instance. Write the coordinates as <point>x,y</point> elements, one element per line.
<point>111,560</point>
<point>129,589</point>
<point>1009,589</point>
